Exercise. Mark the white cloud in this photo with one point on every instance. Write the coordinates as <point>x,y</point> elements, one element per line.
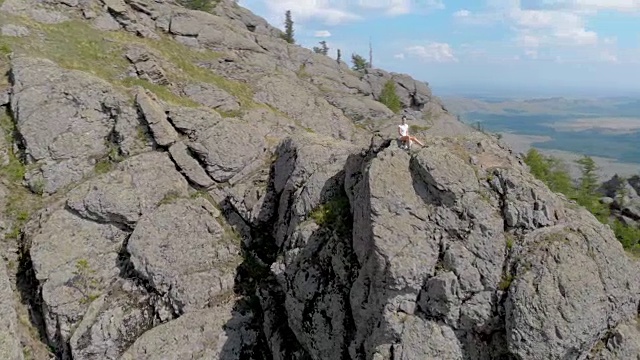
<point>477,18</point>
<point>596,5</point>
<point>577,36</point>
<point>529,41</point>
<point>399,56</point>
<point>322,33</point>
<point>303,10</point>
<point>608,57</point>
<point>436,52</point>
<point>335,12</point>
<point>400,7</point>
<point>548,24</point>
<point>553,27</point>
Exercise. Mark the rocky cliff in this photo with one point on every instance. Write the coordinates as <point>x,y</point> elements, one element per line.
<point>186,185</point>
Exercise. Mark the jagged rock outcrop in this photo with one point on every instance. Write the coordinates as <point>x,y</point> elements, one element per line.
<point>232,209</point>
<point>622,197</point>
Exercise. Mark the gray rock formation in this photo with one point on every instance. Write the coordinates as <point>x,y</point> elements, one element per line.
<point>624,199</point>
<point>185,254</point>
<point>14,30</point>
<point>234,210</point>
<point>10,347</point>
<point>87,111</point>
<point>210,96</point>
<point>163,132</point>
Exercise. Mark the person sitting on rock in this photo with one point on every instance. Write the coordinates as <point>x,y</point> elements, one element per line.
<point>407,140</point>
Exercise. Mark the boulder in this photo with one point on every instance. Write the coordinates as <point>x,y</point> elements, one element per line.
<point>134,188</point>
<point>218,332</point>
<point>184,253</point>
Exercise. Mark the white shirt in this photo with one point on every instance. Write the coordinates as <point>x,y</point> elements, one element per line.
<point>404,129</point>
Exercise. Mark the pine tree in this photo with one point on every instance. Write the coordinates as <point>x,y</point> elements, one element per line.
<point>389,97</point>
<point>323,49</point>
<point>588,185</point>
<point>359,63</point>
<point>288,28</point>
<point>589,179</point>
<point>550,171</point>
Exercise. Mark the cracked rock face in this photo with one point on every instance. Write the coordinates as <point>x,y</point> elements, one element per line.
<point>262,223</point>
<point>86,111</point>
<point>161,242</point>
<point>10,347</point>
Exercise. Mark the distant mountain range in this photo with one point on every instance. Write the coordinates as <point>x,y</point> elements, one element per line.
<point>587,107</point>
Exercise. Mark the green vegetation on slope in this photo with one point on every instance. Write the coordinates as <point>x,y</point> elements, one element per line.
<point>323,49</point>
<point>335,215</point>
<point>288,26</point>
<point>202,5</point>
<point>20,202</point>
<point>78,46</point>
<point>552,172</point>
<point>389,97</point>
<point>359,63</point>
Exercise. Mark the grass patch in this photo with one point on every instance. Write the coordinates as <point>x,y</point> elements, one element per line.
<point>76,45</point>
<point>38,186</point>
<point>302,72</point>
<point>103,166</point>
<point>417,128</point>
<point>163,92</point>
<point>202,5</point>
<point>505,282</point>
<point>230,113</point>
<point>106,163</point>
<point>15,170</point>
<point>205,195</point>
<point>170,198</point>
<point>5,49</point>
<point>335,214</point>
<point>85,281</point>
<point>185,59</point>
<point>510,240</point>
<point>20,202</point>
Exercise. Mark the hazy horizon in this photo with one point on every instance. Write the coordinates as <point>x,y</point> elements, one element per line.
<point>488,91</point>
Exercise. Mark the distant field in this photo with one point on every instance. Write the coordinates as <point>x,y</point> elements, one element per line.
<point>604,125</point>
<point>608,128</point>
<point>607,166</point>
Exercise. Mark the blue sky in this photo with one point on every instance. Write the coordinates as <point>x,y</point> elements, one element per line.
<point>555,46</point>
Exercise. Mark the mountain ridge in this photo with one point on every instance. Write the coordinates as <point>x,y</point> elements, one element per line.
<point>185,184</point>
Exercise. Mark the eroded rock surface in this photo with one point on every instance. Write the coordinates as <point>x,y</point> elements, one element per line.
<point>65,120</point>
<point>259,222</point>
<point>10,347</point>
